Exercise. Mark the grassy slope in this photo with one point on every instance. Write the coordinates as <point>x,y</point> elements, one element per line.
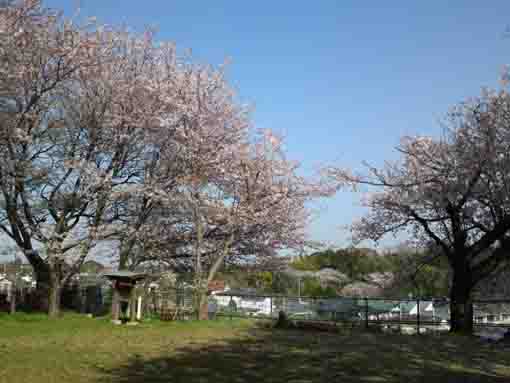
<point>77,349</point>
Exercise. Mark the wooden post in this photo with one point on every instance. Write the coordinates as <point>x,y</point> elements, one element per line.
<point>115,303</point>
<point>139,308</point>
<point>132,305</point>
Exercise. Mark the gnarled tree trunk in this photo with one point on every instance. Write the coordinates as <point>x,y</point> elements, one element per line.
<point>461,304</point>
<point>42,274</point>
<point>55,263</point>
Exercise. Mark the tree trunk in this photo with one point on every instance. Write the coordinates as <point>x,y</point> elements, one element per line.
<point>115,304</point>
<point>55,262</point>
<point>54,294</point>
<point>43,288</point>
<point>49,290</point>
<point>200,283</point>
<point>461,304</point>
<point>42,277</point>
<point>49,283</point>
<point>203,312</point>
<point>12,308</point>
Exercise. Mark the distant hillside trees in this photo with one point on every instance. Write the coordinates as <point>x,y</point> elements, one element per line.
<point>394,274</point>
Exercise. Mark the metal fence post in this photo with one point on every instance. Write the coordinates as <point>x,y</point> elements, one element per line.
<point>473,313</point>
<point>366,312</point>
<point>271,306</point>
<point>418,315</point>
<point>400,317</point>
<point>231,307</point>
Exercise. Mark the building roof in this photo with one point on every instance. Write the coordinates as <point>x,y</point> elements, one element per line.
<point>241,292</point>
<point>124,274</point>
<point>338,305</point>
<point>436,308</point>
<point>404,307</point>
<point>377,306</point>
<point>216,285</point>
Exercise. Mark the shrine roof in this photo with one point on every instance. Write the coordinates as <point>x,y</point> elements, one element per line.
<point>125,274</point>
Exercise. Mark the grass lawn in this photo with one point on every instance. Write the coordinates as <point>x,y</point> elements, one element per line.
<point>78,349</point>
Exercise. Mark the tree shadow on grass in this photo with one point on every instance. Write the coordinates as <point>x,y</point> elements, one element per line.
<point>296,356</point>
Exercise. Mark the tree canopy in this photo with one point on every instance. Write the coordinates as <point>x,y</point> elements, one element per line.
<point>450,194</point>
<point>110,135</point>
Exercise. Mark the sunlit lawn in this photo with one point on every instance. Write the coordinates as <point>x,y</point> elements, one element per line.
<point>78,349</point>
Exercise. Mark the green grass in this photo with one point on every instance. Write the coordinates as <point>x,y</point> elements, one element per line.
<point>78,349</point>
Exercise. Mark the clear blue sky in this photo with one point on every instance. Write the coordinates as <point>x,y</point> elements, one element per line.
<point>343,80</point>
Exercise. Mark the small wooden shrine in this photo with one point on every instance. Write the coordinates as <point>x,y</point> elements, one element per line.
<point>124,283</point>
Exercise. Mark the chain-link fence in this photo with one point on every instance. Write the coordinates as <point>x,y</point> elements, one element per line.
<point>94,295</point>
<point>170,304</point>
<point>90,297</point>
<point>392,315</point>
<point>17,298</point>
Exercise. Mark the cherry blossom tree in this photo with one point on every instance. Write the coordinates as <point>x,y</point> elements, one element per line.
<point>449,193</point>
<point>70,134</point>
<point>243,210</point>
<point>108,135</point>
<point>40,58</point>
<point>221,195</point>
<point>197,122</point>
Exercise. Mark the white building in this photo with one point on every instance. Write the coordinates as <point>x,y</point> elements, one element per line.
<point>241,299</point>
<point>6,288</point>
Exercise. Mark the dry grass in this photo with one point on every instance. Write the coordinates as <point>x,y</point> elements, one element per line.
<point>77,349</point>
